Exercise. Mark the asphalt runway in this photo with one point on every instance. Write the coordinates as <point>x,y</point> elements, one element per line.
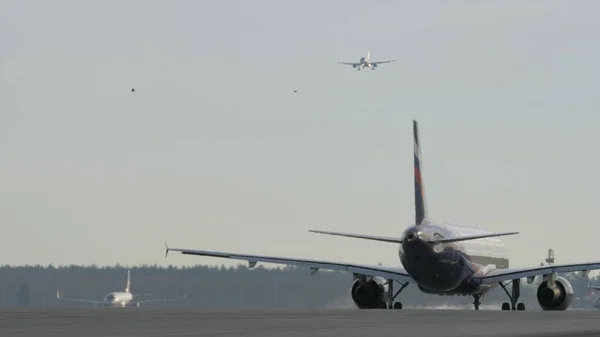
<point>130,322</point>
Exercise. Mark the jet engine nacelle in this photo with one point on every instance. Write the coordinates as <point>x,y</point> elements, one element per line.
<point>558,297</point>
<point>369,293</point>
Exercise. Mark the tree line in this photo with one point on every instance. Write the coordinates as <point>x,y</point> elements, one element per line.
<point>212,287</point>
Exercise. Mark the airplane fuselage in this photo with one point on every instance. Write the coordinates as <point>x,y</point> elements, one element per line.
<point>120,299</point>
<point>449,268</point>
<point>364,63</point>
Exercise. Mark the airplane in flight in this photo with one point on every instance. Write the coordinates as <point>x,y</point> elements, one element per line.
<point>365,62</point>
<point>436,258</point>
<point>120,298</point>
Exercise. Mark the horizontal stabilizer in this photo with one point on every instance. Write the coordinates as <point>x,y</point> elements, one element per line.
<point>471,237</point>
<point>398,240</point>
<point>360,236</point>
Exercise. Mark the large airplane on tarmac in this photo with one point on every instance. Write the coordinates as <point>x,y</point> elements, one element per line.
<point>437,258</point>
<point>119,298</point>
<point>365,62</point>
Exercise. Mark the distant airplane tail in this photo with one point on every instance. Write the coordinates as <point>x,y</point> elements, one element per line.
<point>128,287</point>
<point>368,55</point>
<point>420,204</point>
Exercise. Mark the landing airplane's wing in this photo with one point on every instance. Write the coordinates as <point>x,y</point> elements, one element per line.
<point>349,63</point>
<point>393,273</point>
<point>163,300</point>
<point>500,275</point>
<point>380,62</point>
<point>76,300</point>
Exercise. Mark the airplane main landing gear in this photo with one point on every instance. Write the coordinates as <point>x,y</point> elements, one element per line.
<point>392,296</point>
<point>476,302</point>
<point>513,296</point>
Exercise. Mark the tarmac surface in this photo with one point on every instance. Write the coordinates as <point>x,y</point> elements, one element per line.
<point>129,322</point>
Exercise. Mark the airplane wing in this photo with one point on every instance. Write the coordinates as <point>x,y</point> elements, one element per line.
<point>500,275</point>
<point>163,300</point>
<point>76,300</point>
<point>389,61</point>
<point>349,63</point>
<point>393,273</point>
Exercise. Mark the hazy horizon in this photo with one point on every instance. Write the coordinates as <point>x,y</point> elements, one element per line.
<point>214,150</point>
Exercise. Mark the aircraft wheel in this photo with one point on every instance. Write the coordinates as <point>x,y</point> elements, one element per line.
<point>398,306</point>
<point>521,306</point>
<point>505,306</point>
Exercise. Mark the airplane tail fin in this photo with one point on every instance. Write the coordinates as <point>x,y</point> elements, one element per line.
<point>420,204</point>
<point>128,287</point>
<point>368,54</point>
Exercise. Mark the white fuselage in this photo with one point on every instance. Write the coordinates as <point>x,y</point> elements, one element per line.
<point>449,268</point>
<point>365,62</point>
<point>121,299</point>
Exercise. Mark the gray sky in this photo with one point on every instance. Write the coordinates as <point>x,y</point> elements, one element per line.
<point>214,151</point>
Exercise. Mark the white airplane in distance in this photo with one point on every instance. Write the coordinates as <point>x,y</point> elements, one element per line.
<point>436,258</point>
<point>365,62</point>
<point>119,298</point>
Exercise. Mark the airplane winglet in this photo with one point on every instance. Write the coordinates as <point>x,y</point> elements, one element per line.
<point>166,249</point>
<point>57,295</point>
